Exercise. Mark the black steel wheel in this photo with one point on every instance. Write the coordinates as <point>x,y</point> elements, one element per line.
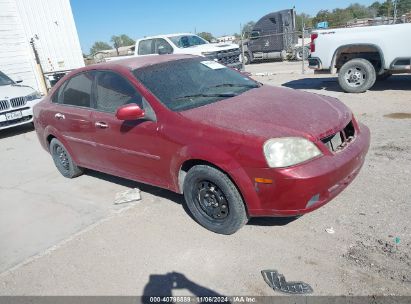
<point>63,160</point>
<point>210,200</point>
<point>214,200</point>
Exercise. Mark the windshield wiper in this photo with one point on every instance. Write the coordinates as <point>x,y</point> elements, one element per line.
<point>207,95</point>
<point>235,85</point>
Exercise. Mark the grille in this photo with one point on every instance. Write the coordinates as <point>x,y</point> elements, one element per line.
<point>4,105</point>
<point>338,141</point>
<point>18,102</point>
<point>229,56</point>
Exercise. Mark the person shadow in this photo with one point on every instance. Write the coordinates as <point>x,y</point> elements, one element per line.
<point>162,285</point>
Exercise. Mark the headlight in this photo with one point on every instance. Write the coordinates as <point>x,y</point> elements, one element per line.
<point>211,55</point>
<point>32,96</point>
<point>288,151</point>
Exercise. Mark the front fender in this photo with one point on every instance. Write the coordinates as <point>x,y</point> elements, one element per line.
<point>220,159</point>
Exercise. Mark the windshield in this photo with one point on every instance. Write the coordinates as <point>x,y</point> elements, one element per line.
<point>5,80</point>
<point>190,83</point>
<point>186,41</point>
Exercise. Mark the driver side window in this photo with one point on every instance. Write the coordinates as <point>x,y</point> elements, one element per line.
<point>114,91</point>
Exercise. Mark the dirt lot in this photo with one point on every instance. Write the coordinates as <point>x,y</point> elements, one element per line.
<point>60,236</point>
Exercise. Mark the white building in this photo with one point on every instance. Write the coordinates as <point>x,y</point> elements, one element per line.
<point>50,25</point>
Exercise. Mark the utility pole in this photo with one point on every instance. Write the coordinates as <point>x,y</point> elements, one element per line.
<point>242,45</point>
<point>395,11</point>
<point>303,43</point>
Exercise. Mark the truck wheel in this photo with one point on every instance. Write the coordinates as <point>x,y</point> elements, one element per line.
<point>63,160</point>
<point>357,76</point>
<point>247,59</point>
<point>300,52</point>
<point>214,200</point>
<point>384,76</point>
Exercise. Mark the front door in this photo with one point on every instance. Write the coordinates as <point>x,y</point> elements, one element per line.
<point>131,149</point>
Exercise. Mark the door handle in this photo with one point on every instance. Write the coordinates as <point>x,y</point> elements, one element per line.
<point>59,116</point>
<point>101,125</point>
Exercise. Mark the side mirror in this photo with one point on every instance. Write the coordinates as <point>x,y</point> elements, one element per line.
<point>129,112</point>
<point>19,81</point>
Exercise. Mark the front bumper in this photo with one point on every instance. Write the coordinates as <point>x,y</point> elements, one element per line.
<point>303,188</point>
<point>27,115</point>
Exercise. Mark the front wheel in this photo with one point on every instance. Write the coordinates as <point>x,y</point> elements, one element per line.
<point>214,200</point>
<point>357,76</point>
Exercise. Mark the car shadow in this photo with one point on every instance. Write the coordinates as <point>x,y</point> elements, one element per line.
<point>14,131</point>
<point>179,198</point>
<point>271,221</point>
<point>162,285</point>
<point>395,82</point>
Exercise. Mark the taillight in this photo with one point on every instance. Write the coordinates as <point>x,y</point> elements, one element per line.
<point>312,44</point>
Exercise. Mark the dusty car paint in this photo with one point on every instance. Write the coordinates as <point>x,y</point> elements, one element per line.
<point>228,134</point>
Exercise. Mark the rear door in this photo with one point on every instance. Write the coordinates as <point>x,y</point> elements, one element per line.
<point>132,149</point>
<point>71,112</point>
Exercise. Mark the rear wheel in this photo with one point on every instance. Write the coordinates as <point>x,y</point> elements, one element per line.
<point>63,160</point>
<point>357,76</point>
<point>214,200</point>
<point>301,53</point>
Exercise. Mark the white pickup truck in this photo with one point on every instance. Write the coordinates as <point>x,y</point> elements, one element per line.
<point>362,55</point>
<point>186,43</point>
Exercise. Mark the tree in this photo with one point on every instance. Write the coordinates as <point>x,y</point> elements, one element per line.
<point>206,36</point>
<point>99,46</point>
<point>247,28</point>
<point>308,21</point>
<point>403,7</point>
<point>121,40</point>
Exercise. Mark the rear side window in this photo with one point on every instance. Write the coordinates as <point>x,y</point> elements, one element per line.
<point>145,47</point>
<point>113,91</point>
<point>57,96</point>
<point>78,90</point>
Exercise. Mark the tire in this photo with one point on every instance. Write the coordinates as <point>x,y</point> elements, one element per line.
<point>247,59</point>
<point>384,76</point>
<point>214,200</point>
<point>300,52</point>
<point>63,160</point>
<point>357,76</point>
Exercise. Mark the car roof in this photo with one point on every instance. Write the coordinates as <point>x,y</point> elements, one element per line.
<point>136,62</point>
<point>167,35</point>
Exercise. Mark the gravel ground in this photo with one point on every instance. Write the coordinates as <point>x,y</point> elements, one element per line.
<point>153,246</point>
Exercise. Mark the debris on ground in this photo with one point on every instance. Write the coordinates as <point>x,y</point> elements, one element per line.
<point>127,196</point>
<point>330,230</point>
<point>278,283</point>
<point>385,258</point>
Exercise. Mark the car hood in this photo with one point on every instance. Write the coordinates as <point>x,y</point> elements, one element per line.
<point>14,90</point>
<point>275,112</point>
<point>211,47</point>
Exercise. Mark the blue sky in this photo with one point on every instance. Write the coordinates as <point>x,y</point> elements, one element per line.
<point>98,20</point>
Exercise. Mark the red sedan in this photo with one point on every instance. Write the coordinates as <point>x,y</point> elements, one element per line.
<point>234,147</point>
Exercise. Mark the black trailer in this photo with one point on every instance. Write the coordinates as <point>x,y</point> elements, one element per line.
<point>274,36</point>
